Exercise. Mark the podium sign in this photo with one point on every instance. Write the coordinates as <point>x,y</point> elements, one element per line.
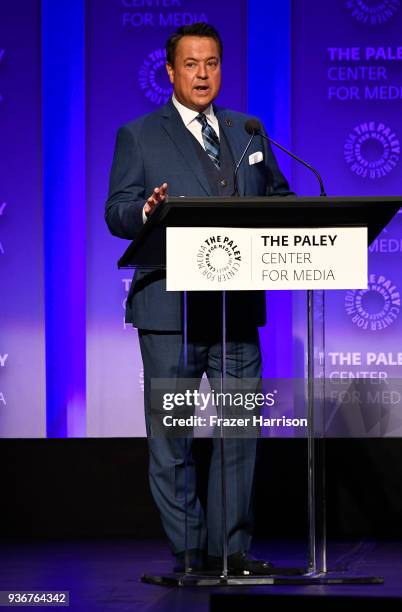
<point>233,259</point>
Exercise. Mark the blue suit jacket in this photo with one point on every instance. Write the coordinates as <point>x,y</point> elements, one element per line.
<point>158,148</point>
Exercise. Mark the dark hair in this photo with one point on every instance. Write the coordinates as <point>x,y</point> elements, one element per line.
<point>196,29</point>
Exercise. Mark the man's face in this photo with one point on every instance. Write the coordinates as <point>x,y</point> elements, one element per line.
<point>196,74</point>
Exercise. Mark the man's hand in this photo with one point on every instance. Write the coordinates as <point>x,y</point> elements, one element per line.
<point>158,195</point>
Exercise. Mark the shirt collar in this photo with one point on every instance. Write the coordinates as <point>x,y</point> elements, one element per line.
<point>188,115</point>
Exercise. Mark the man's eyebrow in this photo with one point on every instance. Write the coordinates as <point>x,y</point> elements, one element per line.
<point>197,60</point>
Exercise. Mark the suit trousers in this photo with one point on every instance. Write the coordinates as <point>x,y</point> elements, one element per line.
<point>172,470</point>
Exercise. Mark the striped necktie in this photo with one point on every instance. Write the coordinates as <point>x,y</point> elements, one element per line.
<point>210,138</point>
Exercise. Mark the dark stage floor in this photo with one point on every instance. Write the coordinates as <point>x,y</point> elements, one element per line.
<point>104,575</point>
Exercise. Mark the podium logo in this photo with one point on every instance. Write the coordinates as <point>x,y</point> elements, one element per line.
<point>218,258</point>
<point>372,150</point>
<point>373,12</point>
<point>153,79</point>
<point>376,307</point>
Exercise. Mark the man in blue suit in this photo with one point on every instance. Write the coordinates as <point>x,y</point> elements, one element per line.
<point>190,147</point>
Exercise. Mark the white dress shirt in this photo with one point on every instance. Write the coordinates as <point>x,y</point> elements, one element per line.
<point>189,119</point>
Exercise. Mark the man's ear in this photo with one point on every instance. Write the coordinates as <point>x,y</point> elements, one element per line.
<point>170,71</point>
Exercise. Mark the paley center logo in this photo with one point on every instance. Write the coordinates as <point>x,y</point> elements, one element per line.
<point>373,12</point>
<point>376,307</point>
<point>218,258</point>
<point>372,150</point>
<point>153,79</point>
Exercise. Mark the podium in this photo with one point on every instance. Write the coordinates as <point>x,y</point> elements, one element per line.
<point>288,216</point>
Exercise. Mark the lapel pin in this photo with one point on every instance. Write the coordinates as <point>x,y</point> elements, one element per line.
<point>229,122</point>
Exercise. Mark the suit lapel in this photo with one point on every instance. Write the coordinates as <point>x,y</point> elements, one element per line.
<point>181,137</point>
<point>233,131</point>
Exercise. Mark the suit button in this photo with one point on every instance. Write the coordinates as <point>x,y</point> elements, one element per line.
<point>224,183</point>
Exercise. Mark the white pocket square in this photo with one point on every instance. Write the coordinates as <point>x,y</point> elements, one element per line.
<point>255,158</point>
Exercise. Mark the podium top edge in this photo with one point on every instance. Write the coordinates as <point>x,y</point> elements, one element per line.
<point>314,200</point>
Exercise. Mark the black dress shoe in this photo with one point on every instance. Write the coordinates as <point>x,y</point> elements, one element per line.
<point>196,561</point>
<point>241,563</point>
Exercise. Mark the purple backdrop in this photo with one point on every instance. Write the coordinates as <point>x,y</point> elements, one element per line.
<point>22,367</point>
<point>346,91</point>
<point>347,120</point>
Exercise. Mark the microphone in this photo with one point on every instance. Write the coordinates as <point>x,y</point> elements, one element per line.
<point>236,172</point>
<point>252,126</point>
